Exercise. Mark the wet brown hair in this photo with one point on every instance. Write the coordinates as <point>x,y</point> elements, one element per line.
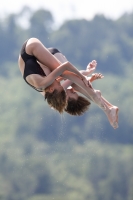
<point>77,107</point>
<point>57,100</point>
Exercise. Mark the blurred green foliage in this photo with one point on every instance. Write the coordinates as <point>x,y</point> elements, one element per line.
<point>44,155</point>
<point>35,170</point>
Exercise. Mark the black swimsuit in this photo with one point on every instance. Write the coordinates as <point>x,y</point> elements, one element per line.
<point>31,64</point>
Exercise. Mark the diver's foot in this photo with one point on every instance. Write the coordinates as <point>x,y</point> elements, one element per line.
<point>91,66</point>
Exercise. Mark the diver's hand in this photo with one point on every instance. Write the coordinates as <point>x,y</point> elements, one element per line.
<point>96,76</point>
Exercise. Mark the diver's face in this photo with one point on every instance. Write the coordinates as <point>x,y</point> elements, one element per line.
<point>71,94</point>
<point>55,86</point>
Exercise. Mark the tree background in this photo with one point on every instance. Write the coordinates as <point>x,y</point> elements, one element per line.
<point>44,155</point>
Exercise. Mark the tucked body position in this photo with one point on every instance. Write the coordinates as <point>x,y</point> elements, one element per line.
<point>45,69</point>
<point>40,69</point>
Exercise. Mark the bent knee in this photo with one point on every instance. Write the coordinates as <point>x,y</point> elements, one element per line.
<point>32,44</point>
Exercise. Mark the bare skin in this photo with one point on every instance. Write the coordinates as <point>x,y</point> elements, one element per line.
<point>56,69</point>
<point>50,65</point>
<point>93,94</point>
<point>53,69</point>
<point>110,110</point>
